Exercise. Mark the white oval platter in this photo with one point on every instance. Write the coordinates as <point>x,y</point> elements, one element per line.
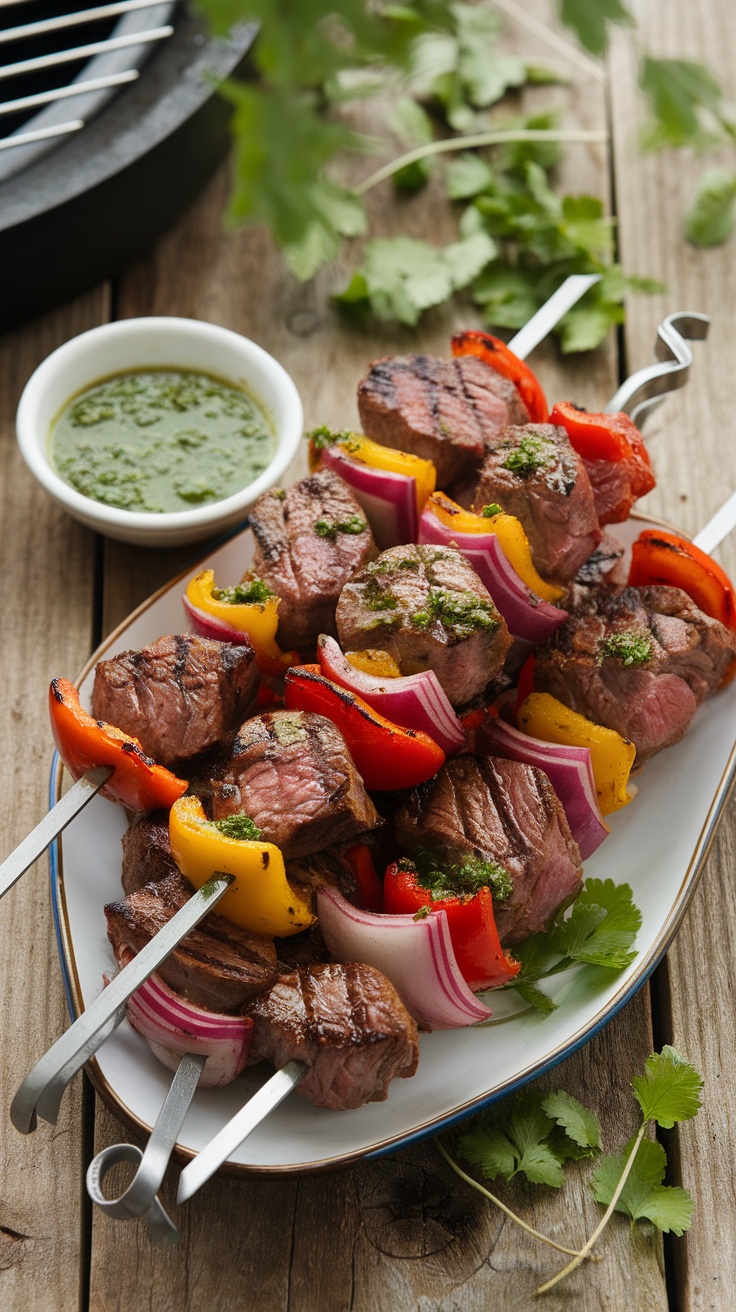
<point>658,845</point>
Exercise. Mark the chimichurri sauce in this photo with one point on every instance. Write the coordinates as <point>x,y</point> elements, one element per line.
<point>161,441</point>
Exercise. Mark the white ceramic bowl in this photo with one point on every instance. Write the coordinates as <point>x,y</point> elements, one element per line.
<point>165,343</point>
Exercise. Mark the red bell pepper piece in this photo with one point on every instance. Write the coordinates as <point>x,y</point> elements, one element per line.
<point>368,891</point>
<point>387,756</point>
<point>525,682</point>
<point>609,438</point>
<point>83,742</point>
<point>496,354</point>
<point>481,960</point>
<point>658,557</point>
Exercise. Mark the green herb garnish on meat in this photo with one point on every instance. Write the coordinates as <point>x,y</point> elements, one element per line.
<point>238,826</point>
<point>253,592</point>
<point>532,453</point>
<point>626,648</point>
<point>444,879</point>
<point>488,512</point>
<point>322,437</point>
<point>329,528</point>
<point>461,613</point>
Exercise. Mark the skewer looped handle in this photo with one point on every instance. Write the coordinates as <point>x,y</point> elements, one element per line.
<point>644,389</point>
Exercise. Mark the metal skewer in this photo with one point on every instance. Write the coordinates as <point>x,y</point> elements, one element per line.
<point>41,1092</point>
<point>548,315</point>
<point>644,390</point>
<point>31,848</point>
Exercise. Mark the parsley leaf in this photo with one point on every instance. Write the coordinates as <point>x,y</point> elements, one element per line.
<point>590,21</point>
<point>678,91</point>
<point>578,1122</point>
<point>402,276</point>
<point>644,1197</point>
<point>669,1090</point>
<point>464,71</point>
<point>531,1134</point>
<point>413,127</point>
<point>712,216</point>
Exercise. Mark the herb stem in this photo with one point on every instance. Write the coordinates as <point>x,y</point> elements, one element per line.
<point>574,1252</point>
<point>471,142</point>
<point>585,1250</point>
<point>566,48</point>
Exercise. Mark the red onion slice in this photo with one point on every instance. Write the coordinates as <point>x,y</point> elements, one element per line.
<point>526,614</point>
<point>173,1026</point>
<point>569,770</point>
<point>389,500</point>
<point>209,627</point>
<point>416,701</point>
<point>415,955</point>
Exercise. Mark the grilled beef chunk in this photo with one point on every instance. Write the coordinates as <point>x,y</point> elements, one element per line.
<point>347,1022</point>
<point>441,410</point>
<point>219,965</point>
<point>292,773</point>
<point>428,608</point>
<point>179,696</point>
<point>534,473</point>
<point>503,811</point>
<point>309,541</point>
<point>147,851</point>
<point>639,661</point>
<point>298,950</point>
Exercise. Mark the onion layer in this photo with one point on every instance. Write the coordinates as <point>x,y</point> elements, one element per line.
<point>526,615</point>
<point>569,770</point>
<point>415,702</point>
<point>209,627</point>
<point>173,1026</point>
<point>388,500</point>
<point>415,955</point>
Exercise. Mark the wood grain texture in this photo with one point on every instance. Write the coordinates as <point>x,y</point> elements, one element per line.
<point>402,1232</point>
<point>692,443</point>
<point>47,556</point>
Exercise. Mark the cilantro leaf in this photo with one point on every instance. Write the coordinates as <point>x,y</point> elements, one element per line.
<point>464,71</point>
<point>644,1197</point>
<point>602,927</point>
<point>712,217</point>
<point>402,276</point>
<point>578,1122</point>
<point>589,21</point>
<point>413,127</point>
<point>515,1140</point>
<point>669,1090</point>
<point>534,996</point>
<point>467,176</point>
<point>677,89</point>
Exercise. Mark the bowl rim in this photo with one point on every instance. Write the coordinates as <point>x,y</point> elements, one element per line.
<point>288,436</point>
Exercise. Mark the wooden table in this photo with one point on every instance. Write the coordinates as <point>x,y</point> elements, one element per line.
<point>400,1233</point>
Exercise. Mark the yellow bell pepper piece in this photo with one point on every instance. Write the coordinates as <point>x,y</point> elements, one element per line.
<point>511,536</point>
<point>370,453</point>
<point>374,661</point>
<point>257,619</point>
<point>611,756</point>
<point>261,899</point>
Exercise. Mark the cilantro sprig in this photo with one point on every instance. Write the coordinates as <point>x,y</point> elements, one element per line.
<point>534,1134</point>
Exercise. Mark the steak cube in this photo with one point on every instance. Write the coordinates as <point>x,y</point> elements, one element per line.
<point>501,811</point>
<point>179,696</point>
<point>292,773</point>
<point>426,606</point>
<point>218,965</point>
<point>309,541</point>
<point>347,1022</point>
<point>637,660</point>
<point>147,851</point>
<point>442,410</point>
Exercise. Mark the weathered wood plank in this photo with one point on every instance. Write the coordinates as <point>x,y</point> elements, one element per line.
<point>692,444</point>
<point>46,556</point>
<point>401,1232</point>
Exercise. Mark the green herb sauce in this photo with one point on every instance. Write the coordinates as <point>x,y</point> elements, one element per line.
<point>630,648</point>
<point>464,879</point>
<point>163,440</point>
<point>239,826</point>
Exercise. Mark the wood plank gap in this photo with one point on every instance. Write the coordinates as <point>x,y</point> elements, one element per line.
<point>88,1152</point>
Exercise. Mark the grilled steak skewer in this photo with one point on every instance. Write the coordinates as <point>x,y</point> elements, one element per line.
<point>533,473</point>
<point>500,811</point>
<point>442,410</point>
<point>428,608</point>
<point>639,661</point>
<point>178,696</point>
<point>309,541</point>
<point>347,1022</point>
<point>218,966</point>
<point>292,773</point>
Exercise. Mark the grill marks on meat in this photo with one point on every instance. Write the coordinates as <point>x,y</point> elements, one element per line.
<point>442,410</point>
<point>179,696</point>
<point>218,965</point>
<point>292,773</point>
<point>347,1022</point>
<point>652,702</point>
<point>405,603</point>
<point>147,851</point>
<point>505,811</point>
<point>552,498</point>
<point>307,570</point>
